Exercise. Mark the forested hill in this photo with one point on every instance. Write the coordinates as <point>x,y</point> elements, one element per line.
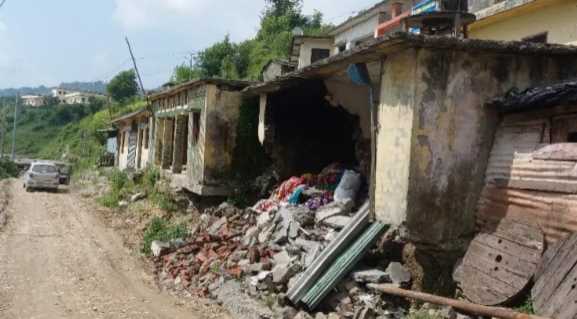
<point>97,87</point>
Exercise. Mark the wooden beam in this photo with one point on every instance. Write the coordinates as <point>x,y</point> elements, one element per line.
<point>496,312</point>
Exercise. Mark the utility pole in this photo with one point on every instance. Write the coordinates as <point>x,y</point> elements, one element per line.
<point>190,65</point>
<point>14,127</point>
<point>135,67</point>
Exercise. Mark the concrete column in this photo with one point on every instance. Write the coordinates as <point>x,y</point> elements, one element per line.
<point>180,141</point>
<point>158,139</point>
<point>167,143</point>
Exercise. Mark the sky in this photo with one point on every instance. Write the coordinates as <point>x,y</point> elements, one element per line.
<point>47,42</point>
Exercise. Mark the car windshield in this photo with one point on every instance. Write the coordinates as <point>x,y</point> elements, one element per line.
<point>44,169</point>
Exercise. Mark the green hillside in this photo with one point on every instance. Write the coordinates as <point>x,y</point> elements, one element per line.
<point>69,132</point>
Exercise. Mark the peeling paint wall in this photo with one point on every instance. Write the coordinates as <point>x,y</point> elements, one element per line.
<point>222,112</point>
<point>436,134</point>
<point>396,113</point>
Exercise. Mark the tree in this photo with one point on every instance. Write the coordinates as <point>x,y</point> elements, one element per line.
<point>210,60</point>
<point>123,86</point>
<point>183,73</point>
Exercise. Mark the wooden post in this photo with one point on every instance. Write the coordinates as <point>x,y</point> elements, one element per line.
<point>481,310</point>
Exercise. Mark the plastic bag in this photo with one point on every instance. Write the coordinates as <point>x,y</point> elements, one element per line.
<point>348,187</point>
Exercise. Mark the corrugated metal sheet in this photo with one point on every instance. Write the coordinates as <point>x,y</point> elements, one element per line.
<point>359,222</point>
<point>529,190</point>
<point>342,266</point>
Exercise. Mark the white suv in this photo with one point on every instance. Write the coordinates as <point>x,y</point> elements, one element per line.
<point>42,176</point>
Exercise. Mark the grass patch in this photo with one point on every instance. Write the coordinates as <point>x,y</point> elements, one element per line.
<point>163,230</point>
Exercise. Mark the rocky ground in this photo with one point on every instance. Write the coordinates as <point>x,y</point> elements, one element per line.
<point>59,260</point>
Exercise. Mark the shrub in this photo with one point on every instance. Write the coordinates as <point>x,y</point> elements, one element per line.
<point>8,169</point>
<point>109,200</point>
<point>161,229</point>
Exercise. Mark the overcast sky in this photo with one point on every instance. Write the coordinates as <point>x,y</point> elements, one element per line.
<point>46,42</point>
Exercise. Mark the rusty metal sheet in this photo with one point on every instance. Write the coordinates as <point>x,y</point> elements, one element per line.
<point>559,152</point>
<point>529,181</point>
<point>554,214</point>
<point>555,291</point>
<point>499,265</point>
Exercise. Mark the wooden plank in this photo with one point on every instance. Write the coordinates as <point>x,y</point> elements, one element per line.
<point>500,264</point>
<point>555,271</point>
<point>555,290</point>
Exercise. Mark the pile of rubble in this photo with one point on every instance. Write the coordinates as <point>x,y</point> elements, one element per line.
<point>265,249</point>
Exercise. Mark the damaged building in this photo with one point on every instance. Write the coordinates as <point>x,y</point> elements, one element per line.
<point>133,140</point>
<point>434,131</point>
<point>195,133</point>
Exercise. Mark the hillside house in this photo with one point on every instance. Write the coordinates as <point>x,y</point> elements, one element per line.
<point>74,97</point>
<point>33,100</point>
<point>195,133</point>
<point>353,32</point>
<point>433,130</point>
<point>546,21</point>
<point>133,140</point>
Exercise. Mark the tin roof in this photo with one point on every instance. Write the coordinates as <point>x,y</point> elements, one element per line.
<point>562,93</point>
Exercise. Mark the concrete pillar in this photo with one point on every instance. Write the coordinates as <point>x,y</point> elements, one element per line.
<point>180,140</point>
<point>167,143</point>
<point>158,141</point>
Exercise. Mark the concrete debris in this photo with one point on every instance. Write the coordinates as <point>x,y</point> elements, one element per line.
<point>136,197</point>
<point>364,313</point>
<point>159,248</point>
<point>215,228</point>
<point>240,305</point>
<point>239,255</point>
<point>398,274</point>
<point>333,209</point>
<point>337,222</point>
<point>303,315</point>
<point>374,276</point>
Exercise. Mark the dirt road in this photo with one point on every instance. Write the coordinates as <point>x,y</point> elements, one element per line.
<point>57,260</point>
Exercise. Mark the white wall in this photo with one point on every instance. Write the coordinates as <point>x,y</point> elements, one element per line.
<point>355,33</point>
<point>307,46</point>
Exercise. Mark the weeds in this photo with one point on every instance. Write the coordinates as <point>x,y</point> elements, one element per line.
<point>526,306</point>
<point>161,229</point>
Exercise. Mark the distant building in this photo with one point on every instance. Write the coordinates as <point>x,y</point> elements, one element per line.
<point>545,21</point>
<point>33,100</point>
<point>74,97</point>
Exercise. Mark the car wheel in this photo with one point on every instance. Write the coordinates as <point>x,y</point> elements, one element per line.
<point>28,189</point>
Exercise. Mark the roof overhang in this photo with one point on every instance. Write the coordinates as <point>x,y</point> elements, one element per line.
<point>232,84</point>
<point>131,116</point>
<point>379,48</point>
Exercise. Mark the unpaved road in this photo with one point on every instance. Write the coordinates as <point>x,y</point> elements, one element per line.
<point>57,260</point>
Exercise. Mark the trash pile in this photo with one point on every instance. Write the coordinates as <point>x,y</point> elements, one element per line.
<point>271,247</point>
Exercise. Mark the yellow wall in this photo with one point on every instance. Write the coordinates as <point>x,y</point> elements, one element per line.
<point>558,18</point>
